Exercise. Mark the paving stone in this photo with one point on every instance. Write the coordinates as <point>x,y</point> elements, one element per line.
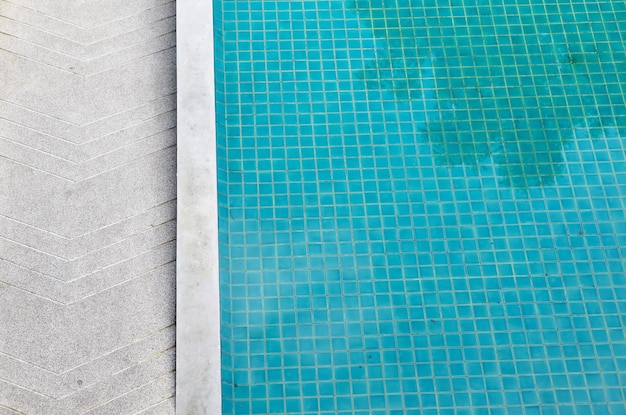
<point>87,207</point>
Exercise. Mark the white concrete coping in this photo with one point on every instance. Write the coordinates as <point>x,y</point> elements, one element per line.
<point>198,368</point>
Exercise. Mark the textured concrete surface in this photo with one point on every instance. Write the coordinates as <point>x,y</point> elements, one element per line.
<point>198,377</point>
<point>87,206</point>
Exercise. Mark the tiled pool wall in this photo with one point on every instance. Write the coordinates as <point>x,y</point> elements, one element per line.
<point>422,206</point>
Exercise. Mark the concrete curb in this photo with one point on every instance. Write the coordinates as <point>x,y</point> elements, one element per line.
<point>198,379</point>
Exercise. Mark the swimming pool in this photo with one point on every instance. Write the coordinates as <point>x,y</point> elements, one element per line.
<point>422,206</point>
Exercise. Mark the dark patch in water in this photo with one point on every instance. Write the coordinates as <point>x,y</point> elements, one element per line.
<point>490,85</point>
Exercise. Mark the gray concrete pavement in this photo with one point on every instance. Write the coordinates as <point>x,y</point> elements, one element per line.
<point>87,206</point>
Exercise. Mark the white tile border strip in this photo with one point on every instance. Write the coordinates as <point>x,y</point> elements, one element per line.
<point>198,377</point>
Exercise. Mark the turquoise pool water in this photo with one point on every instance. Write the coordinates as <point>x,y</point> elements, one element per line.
<point>422,206</point>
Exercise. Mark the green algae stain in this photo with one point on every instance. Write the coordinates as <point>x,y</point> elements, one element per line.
<point>491,87</point>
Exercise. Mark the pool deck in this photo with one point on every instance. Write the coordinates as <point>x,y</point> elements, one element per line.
<point>87,207</point>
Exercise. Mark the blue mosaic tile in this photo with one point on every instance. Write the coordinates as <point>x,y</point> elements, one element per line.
<point>422,206</point>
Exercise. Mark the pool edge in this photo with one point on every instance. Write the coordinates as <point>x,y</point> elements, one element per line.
<point>198,378</point>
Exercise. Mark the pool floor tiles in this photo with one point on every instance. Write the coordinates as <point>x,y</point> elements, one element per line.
<point>422,206</point>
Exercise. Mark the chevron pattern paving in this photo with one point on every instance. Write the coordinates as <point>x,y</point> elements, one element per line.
<point>87,206</point>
